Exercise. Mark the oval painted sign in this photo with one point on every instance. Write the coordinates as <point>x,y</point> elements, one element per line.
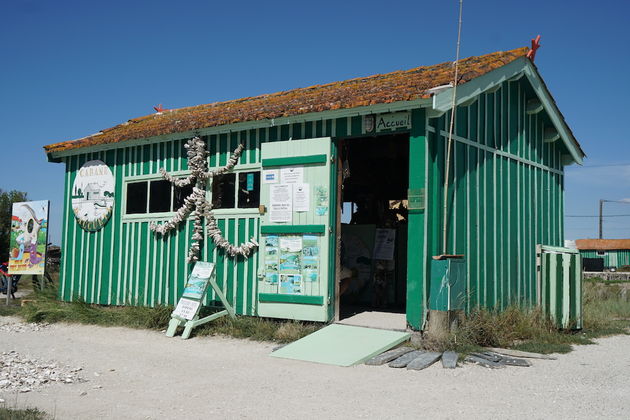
<point>93,195</point>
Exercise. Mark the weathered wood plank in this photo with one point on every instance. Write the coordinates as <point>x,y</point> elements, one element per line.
<point>518,353</point>
<point>405,359</point>
<point>388,356</point>
<point>483,362</point>
<point>424,360</point>
<point>449,359</point>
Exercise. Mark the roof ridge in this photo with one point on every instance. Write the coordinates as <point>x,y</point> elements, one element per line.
<point>398,85</point>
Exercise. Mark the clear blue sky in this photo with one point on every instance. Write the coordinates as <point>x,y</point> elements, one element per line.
<point>72,68</point>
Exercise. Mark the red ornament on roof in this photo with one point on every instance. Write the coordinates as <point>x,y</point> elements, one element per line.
<point>531,54</point>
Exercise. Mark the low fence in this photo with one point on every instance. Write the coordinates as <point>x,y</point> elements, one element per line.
<point>559,291</point>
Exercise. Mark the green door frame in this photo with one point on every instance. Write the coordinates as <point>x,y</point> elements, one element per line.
<point>417,270</point>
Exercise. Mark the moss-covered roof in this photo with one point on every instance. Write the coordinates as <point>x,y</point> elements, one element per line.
<point>397,86</point>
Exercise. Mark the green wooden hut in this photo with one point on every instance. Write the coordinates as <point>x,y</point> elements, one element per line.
<point>615,253</point>
<point>371,146</point>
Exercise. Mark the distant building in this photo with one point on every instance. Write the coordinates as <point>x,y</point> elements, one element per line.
<point>614,252</point>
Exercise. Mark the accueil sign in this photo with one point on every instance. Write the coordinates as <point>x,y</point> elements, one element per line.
<point>387,122</point>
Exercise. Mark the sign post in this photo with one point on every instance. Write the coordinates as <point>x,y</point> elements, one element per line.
<point>186,314</point>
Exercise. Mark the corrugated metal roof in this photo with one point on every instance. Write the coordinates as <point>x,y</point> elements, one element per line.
<point>378,89</point>
<point>602,244</point>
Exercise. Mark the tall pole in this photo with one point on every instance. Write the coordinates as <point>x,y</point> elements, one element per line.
<point>601,219</point>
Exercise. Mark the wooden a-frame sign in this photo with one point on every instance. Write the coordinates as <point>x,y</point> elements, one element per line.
<point>186,314</point>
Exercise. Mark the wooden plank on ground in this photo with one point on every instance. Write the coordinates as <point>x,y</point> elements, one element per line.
<point>388,356</point>
<point>518,353</point>
<point>405,359</point>
<point>424,360</point>
<point>449,360</point>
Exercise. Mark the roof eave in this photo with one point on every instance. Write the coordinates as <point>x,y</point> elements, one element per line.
<point>56,155</point>
<point>514,70</point>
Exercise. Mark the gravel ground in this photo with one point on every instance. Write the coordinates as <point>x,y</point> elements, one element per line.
<point>136,374</point>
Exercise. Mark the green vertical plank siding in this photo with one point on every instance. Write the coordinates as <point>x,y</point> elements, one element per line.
<point>499,209</point>
<point>416,276</point>
<point>504,206</point>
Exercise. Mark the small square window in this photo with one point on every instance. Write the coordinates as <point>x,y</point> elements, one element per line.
<point>223,194</point>
<point>248,190</point>
<point>160,196</point>
<point>601,253</point>
<point>179,195</point>
<point>136,197</point>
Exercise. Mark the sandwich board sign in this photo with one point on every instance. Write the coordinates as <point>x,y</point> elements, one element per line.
<point>186,312</point>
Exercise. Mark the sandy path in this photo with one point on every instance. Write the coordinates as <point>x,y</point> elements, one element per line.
<point>156,377</point>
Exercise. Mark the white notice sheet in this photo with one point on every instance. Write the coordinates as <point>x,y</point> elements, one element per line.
<point>292,175</point>
<point>281,203</point>
<point>301,197</point>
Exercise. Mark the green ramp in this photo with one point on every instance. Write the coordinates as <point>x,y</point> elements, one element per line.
<point>342,345</point>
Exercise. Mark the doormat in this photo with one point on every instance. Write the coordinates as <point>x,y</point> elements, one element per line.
<point>342,345</point>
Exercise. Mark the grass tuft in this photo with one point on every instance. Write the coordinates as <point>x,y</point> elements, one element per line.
<point>45,307</point>
<point>605,309</point>
<point>7,413</point>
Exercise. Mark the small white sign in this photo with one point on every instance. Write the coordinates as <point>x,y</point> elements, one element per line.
<point>292,175</point>
<point>291,243</point>
<point>270,176</point>
<point>202,271</point>
<point>301,197</point>
<point>384,242</point>
<point>281,203</point>
<point>186,308</point>
<point>393,121</point>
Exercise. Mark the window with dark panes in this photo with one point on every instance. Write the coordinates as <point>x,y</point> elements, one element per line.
<point>179,195</point>
<point>223,193</point>
<point>136,197</point>
<point>248,190</point>
<point>160,196</point>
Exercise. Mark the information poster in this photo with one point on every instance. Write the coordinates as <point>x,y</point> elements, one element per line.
<point>321,200</point>
<point>194,290</point>
<point>292,175</point>
<point>290,284</point>
<point>281,203</point>
<point>384,241</point>
<point>301,197</point>
<point>291,261</point>
<point>290,254</point>
<point>197,283</point>
<point>272,253</point>
<point>186,308</point>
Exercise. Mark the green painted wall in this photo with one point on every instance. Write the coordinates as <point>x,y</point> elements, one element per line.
<point>126,264</point>
<point>505,195</point>
<point>612,258</point>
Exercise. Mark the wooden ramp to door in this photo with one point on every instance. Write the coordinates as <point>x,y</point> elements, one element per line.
<point>342,345</point>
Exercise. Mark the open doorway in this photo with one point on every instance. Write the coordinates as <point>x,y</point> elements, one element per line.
<point>373,251</point>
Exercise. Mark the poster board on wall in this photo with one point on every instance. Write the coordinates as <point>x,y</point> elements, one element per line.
<point>29,236</point>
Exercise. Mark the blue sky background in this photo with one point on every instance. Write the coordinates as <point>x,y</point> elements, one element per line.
<point>72,68</point>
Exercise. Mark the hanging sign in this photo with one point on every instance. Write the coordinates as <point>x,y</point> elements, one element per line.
<point>93,195</point>
<point>28,239</point>
<point>393,121</point>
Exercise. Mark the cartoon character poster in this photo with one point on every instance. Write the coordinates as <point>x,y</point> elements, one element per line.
<point>29,236</point>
